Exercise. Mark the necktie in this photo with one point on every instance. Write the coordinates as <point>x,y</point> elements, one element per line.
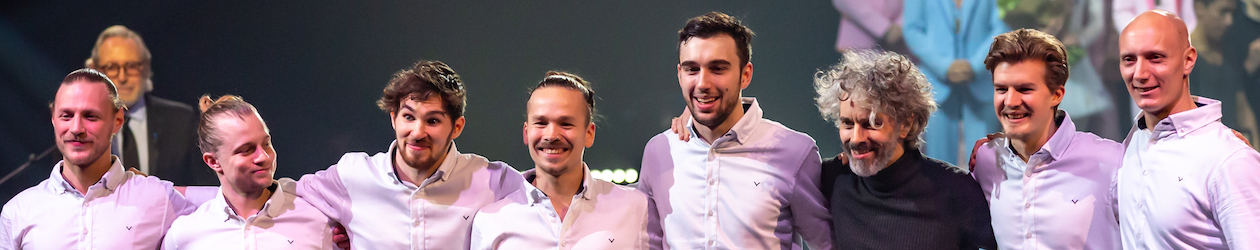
<point>131,157</point>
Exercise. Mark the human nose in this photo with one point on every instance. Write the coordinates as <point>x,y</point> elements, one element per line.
<point>859,134</point>
<point>1013,99</point>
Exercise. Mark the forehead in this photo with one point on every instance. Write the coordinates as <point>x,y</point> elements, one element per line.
<point>422,103</point>
<point>84,95</point>
<point>1148,37</point>
<point>556,99</point>
<point>118,48</point>
<point>719,46</point>
<point>234,127</point>
<point>1026,71</point>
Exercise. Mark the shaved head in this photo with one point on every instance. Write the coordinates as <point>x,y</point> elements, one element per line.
<point>1155,60</point>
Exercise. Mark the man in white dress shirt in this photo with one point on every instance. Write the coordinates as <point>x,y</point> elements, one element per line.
<point>89,201</point>
<point>745,182</point>
<point>422,193</point>
<point>562,207</point>
<point>1186,181</point>
<point>1048,185</point>
<point>252,210</point>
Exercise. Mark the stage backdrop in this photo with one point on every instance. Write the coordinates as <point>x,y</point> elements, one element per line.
<point>315,69</point>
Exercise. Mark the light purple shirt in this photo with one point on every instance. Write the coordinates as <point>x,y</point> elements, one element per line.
<point>1189,183</point>
<point>382,212</point>
<point>121,211</point>
<point>1060,199</point>
<point>753,188</point>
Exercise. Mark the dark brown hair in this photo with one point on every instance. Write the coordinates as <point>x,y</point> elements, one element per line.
<point>422,80</point>
<point>91,75</point>
<point>1029,44</point>
<point>207,131</point>
<point>715,23</point>
<point>570,81</point>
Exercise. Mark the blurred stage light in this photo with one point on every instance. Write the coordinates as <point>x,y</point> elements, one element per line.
<point>619,176</point>
<point>632,176</point>
<point>606,174</point>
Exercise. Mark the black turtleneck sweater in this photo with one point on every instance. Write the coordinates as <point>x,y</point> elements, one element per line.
<point>916,203</point>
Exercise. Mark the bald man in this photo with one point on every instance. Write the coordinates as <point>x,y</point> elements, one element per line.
<point>1186,181</point>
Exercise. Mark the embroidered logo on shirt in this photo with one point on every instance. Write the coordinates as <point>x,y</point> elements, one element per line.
<point>1074,201</point>
<point>757,184</point>
<point>128,228</point>
<point>290,242</point>
<point>1178,178</point>
<point>465,217</point>
<point>610,240</point>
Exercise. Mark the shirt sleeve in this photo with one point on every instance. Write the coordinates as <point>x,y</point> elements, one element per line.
<point>505,180</point>
<point>477,240</point>
<point>325,191</point>
<point>652,160</point>
<point>810,218</point>
<point>176,206</point>
<point>8,234</point>
<point>1234,189</point>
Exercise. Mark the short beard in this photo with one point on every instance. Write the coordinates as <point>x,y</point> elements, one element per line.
<point>883,156</point>
<point>728,106</point>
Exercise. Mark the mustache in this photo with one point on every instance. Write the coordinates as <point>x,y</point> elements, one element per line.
<point>423,142</point>
<point>551,144</point>
<point>861,146</point>
<point>76,138</point>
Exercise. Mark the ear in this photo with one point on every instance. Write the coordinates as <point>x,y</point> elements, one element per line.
<point>590,134</point>
<point>1056,97</point>
<point>458,128</point>
<point>745,77</point>
<point>119,120</point>
<point>903,131</point>
<point>212,162</point>
<point>525,133</point>
<point>392,115</point>
<point>1192,56</point>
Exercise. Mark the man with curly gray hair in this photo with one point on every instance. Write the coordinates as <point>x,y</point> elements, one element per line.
<point>888,195</point>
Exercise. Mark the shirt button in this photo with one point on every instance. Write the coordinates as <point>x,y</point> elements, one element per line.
<point>1029,235</point>
<point>1027,205</point>
<point>1144,172</point>
<point>711,182</point>
<point>710,213</point>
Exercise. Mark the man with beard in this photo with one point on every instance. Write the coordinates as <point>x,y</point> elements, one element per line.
<point>561,206</point>
<point>251,209</point>
<point>744,182</point>
<point>422,193</point>
<point>889,195</point>
<point>1048,185</point>
<point>1186,182</point>
<point>89,201</point>
<point>159,136</point>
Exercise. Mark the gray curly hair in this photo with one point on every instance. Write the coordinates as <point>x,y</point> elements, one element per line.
<point>884,82</point>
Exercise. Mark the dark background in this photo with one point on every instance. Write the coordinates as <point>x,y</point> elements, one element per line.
<point>315,68</point>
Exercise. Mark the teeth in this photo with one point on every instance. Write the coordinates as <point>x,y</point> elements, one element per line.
<point>1016,116</point>
<point>552,151</point>
<point>706,100</point>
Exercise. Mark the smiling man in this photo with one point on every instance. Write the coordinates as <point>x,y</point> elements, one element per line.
<point>889,195</point>
<point>742,182</point>
<point>89,201</point>
<point>422,193</point>
<point>1186,181</point>
<point>1048,185</point>
<point>251,209</point>
<point>562,207</point>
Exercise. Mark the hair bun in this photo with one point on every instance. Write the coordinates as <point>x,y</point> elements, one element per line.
<point>204,103</point>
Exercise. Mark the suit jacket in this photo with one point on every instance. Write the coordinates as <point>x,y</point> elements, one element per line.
<point>173,152</point>
<point>939,33</point>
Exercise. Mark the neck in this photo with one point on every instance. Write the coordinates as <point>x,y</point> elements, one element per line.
<point>1206,47</point>
<point>245,202</point>
<point>81,177</point>
<point>412,174</point>
<point>1025,147</point>
<point>561,188</point>
<point>1184,103</point>
<point>709,134</point>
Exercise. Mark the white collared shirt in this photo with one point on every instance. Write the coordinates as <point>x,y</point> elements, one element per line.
<point>602,215</point>
<point>1189,183</point>
<point>382,212</point>
<point>121,211</point>
<point>1060,199</point>
<point>284,222</point>
<point>754,188</point>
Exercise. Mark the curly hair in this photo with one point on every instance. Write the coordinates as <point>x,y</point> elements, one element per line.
<point>419,82</point>
<point>884,82</point>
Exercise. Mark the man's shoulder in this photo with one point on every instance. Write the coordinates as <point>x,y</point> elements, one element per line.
<point>620,194</point>
<point>782,133</point>
<point>32,195</point>
<point>944,170</point>
<point>1086,142</point>
<point>168,107</point>
<point>513,201</point>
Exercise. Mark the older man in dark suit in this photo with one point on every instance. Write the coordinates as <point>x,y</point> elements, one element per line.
<point>160,135</point>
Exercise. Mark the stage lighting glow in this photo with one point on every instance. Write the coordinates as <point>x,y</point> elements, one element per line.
<point>619,176</point>
<point>607,174</point>
<point>596,175</point>
<point>632,175</point>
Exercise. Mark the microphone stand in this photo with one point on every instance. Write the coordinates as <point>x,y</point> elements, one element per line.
<point>30,159</point>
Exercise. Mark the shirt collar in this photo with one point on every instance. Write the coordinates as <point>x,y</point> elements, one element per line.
<point>112,178</point>
<point>1054,147</point>
<point>443,171</point>
<point>536,195</point>
<point>137,111</point>
<point>742,128</point>
<point>272,208</point>
<point>1206,112</point>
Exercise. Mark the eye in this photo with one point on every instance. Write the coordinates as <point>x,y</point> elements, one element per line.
<point>409,117</point>
<point>433,121</point>
<point>999,90</point>
<point>718,69</point>
<point>691,69</point>
<point>847,124</point>
<point>1025,90</point>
